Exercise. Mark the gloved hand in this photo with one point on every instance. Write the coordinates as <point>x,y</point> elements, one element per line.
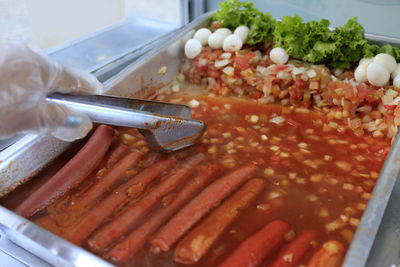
<point>26,77</point>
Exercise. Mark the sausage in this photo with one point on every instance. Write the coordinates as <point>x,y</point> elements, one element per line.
<point>197,242</point>
<point>123,193</point>
<point>116,154</point>
<point>200,206</point>
<point>296,250</point>
<point>136,239</point>
<point>71,175</point>
<point>329,255</point>
<point>112,176</point>
<point>123,223</point>
<point>256,248</point>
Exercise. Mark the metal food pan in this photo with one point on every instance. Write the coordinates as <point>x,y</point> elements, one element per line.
<point>21,160</point>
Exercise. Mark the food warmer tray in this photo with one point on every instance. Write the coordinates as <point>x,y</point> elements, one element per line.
<point>21,160</point>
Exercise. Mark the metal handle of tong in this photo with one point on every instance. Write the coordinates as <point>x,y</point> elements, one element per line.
<point>166,127</point>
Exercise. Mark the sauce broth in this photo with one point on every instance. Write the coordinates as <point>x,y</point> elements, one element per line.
<point>319,176</point>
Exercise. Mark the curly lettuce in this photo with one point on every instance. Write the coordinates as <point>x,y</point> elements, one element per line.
<point>290,34</point>
<point>313,41</point>
<point>234,13</point>
<point>350,44</point>
<point>261,29</point>
<point>374,49</point>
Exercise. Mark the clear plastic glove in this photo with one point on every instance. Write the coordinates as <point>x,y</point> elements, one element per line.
<point>26,77</point>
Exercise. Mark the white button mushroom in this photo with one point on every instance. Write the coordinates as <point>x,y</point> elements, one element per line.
<point>386,61</point>
<point>396,71</point>
<point>232,43</point>
<point>396,81</point>
<point>278,55</point>
<point>202,35</point>
<point>361,73</point>
<point>192,48</point>
<point>224,31</point>
<point>216,40</point>
<point>242,32</point>
<point>377,75</point>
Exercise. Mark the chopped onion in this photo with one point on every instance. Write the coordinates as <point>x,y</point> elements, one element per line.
<point>387,100</point>
<point>337,72</point>
<point>311,73</point>
<point>203,62</point>
<point>396,100</point>
<point>262,70</point>
<point>274,194</point>
<point>221,63</point>
<point>297,71</point>
<point>228,70</point>
<point>194,103</point>
<point>366,109</point>
<point>226,55</point>
<point>283,75</point>
<point>211,82</point>
<point>391,92</point>
<point>277,120</point>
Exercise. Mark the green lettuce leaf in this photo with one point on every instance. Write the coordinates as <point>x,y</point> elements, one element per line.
<point>321,52</point>
<point>315,43</point>
<point>261,29</point>
<point>350,44</point>
<point>234,13</point>
<point>389,49</point>
<point>370,50</point>
<point>290,34</point>
<point>318,45</point>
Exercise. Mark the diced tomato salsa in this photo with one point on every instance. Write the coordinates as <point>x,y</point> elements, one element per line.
<point>251,72</point>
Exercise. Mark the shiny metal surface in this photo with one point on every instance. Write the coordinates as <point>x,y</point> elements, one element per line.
<point>13,255</point>
<point>166,127</point>
<point>385,250</point>
<point>360,247</point>
<point>93,51</point>
<point>26,157</point>
<point>42,244</point>
<point>122,103</point>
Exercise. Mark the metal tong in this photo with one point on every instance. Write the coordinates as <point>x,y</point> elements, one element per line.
<point>166,127</point>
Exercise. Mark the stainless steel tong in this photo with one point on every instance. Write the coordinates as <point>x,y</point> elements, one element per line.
<point>166,127</point>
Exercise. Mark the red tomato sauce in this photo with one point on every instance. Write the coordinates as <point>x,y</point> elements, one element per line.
<point>319,177</point>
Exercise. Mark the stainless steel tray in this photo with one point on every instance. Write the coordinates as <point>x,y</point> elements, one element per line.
<point>29,155</point>
<point>93,51</point>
